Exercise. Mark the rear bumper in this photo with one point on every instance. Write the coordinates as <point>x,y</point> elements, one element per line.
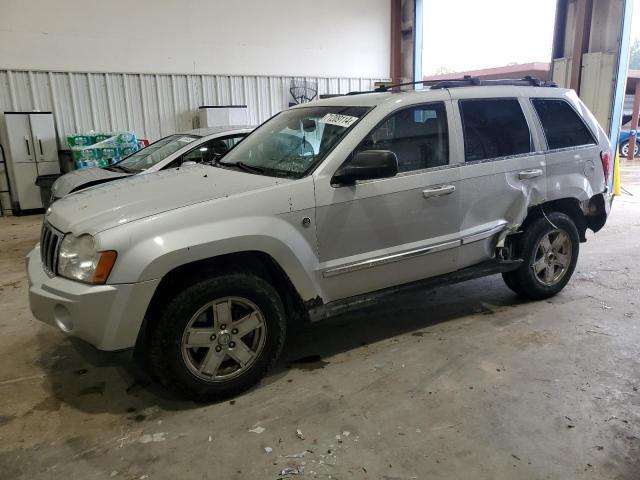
<point>598,210</point>
<point>608,202</point>
<point>107,316</point>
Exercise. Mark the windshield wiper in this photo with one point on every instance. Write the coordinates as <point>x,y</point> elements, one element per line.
<point>118,168</point>
<point>244,166</point>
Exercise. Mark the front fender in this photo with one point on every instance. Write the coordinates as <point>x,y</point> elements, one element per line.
<point>280,236</point>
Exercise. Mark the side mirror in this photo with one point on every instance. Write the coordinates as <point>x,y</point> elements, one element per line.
<point>367,165</point>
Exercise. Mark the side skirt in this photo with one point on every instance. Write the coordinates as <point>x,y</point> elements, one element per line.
<point>331,309</point>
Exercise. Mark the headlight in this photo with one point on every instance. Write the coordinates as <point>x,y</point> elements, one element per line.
<point>79,260</point>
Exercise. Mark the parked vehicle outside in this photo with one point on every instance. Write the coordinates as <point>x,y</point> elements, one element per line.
<point>327,206</point>
<point>198,146</point>
<point>623,144</point>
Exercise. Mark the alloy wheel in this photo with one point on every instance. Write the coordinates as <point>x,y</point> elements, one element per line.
<point>552,257</point>
<point>223,339</point>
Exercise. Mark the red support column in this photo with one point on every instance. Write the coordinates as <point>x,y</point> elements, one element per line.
<point>634,119</point>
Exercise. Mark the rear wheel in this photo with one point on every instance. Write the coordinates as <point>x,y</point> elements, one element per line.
<point>549,247</point>
<point>218,337</point>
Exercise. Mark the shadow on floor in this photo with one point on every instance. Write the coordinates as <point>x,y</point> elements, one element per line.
<point>114,383</point>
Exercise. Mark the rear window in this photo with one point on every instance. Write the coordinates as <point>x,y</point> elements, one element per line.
<point>561,124</point>
<point>155,153</point>
<point>494,128</point>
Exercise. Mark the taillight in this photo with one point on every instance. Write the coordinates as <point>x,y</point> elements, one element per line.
<point>605,156</point>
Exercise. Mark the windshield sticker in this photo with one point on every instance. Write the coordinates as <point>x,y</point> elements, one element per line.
<point>344,121</point>
<point>186,139</point>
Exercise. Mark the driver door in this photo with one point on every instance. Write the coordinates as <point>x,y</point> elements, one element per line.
<point>385,232</point>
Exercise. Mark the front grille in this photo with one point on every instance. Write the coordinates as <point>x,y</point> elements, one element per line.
<point>50,240</point>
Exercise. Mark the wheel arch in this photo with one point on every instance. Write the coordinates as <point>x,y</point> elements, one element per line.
<point>257,262</point>
<point>569,206</point>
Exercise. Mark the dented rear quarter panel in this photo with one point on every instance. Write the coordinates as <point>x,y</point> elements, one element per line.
<point>577,172</point>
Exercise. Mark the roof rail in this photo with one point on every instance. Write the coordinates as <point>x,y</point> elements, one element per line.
<point>468,81</point>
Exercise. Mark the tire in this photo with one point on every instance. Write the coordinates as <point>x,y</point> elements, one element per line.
<point>624,149</point>
<point>511,281</point>
<point>201,350</point>
<point>549,248</point>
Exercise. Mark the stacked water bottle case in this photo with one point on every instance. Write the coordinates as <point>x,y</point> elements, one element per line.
<point>101,149</point>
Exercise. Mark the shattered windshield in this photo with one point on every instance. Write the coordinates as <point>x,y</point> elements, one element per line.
<point>293,142</point>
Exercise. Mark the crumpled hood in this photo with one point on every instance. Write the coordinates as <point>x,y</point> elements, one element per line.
<point>86,177</point>
<point>105,206</point>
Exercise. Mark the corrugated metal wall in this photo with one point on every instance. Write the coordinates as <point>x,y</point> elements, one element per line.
<point>150,105</point>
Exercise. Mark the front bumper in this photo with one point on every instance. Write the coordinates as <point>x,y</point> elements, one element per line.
<point>107,316</point>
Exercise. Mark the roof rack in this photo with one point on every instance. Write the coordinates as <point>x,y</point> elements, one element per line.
<point>469,81</point>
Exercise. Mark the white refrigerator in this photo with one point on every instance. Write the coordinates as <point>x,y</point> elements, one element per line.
<point>31,149</point>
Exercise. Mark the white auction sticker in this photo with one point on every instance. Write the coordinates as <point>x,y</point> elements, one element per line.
<point>186,139</point>
<point>340,120</point>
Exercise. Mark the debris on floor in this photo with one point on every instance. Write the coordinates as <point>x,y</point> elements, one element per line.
<point>268,450</point>
<point>299,434</point>
<point>298,455</point>
<point>257,429</point>
<point>156,437</point>
<point>310,362</point>
<point>293,470</point>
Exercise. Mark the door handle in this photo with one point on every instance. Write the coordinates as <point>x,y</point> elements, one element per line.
<point>438,191</point>
<point>26,139</point>
<point>527,174</point>
<point>40,144</point>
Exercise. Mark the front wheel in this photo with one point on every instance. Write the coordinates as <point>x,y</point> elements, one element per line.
<point>549,247</point>
<point>218,337</point>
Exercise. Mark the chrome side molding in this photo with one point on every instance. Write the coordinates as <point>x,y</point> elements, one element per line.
<point>396,257</point>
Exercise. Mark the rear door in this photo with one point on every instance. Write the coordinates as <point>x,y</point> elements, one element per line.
<point>502,174</point>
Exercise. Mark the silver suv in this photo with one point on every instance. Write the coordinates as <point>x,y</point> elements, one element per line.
<point>325,207</point>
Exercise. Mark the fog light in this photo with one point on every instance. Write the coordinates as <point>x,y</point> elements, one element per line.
<point>63,318</point>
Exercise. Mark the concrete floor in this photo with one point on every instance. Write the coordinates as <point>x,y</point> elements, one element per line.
<point>463,382</point>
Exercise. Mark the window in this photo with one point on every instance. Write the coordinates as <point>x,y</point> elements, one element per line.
<point>494,128</point>
<point>418,136</point>
<point>154,153</point>
<point>561,124</point>
<point>211,150</point>
<point>293,142</point>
